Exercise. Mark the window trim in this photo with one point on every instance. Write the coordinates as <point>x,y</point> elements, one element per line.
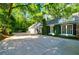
<point>66,25</point>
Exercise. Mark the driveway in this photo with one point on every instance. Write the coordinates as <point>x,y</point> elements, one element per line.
<point>38,45</point>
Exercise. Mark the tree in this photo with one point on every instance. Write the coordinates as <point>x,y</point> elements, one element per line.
<point>19,16</point>
<point>58,10</point>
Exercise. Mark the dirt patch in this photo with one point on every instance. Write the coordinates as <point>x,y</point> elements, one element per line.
<point>3,36</point>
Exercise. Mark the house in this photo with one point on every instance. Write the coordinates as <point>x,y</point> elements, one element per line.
<point>59,26</point>
<point>52,24</point>
<point>35,28</point>
<point>66,27</point>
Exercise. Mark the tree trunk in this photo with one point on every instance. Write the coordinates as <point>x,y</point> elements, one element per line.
<point>10,9</point>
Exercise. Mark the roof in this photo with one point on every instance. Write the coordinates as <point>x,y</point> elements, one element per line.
<point>35,25</point>
<point>73,19</point>
<point>55,21</point>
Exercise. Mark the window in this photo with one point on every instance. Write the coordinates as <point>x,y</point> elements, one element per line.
<point>67,29</point>
<point>63,29</point>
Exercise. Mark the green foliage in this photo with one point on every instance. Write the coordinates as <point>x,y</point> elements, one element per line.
<point>45,30</point>
<point>8,31</point>
<point>20,26</point>
<point>44,22</point>
<point>57,29</point>
<point>58,10</point>
<point>19,16</point>
<point>55,9</point>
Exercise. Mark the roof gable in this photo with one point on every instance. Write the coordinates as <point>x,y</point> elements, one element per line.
<point>35,25</point>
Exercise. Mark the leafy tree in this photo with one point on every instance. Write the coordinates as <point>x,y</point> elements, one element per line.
<point>58,10</point>
<point>19,16</point>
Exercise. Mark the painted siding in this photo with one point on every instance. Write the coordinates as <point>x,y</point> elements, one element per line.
<point>51,29</point>
<point>77,29</point>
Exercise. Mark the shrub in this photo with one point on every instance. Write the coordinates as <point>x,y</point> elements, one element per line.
<point>57,29</point>
<point>8,31</point>
<point>45,30</point>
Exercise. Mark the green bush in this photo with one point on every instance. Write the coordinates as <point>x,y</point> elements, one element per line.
<point>0,30</point>
<point>6,29</point>
<point>57,29</point>
<point>9,31</point>
<point>45,30</point>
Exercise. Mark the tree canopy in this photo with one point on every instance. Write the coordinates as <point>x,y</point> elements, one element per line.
<point>19,16</point>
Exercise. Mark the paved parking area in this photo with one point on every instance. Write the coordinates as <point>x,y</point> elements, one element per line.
<point>38,45</point>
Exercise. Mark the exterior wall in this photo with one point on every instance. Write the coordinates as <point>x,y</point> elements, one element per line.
<point>32,31</point>
<point>40,30</point>
<point>57,30</point>
<point>77,29</point>
<point>51,30</point>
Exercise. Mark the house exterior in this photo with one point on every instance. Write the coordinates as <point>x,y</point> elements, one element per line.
<point>35,28</point>
<point>59,26</point>
<point>66,27</point>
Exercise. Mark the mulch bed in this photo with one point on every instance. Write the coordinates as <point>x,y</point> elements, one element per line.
<point>68,37</point>
<point>2,36</point>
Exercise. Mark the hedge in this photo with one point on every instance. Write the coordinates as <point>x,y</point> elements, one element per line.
<point>57,29</point>
<point>45,30</point>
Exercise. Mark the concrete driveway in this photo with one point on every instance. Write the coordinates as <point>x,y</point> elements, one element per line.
<point>38,45</point>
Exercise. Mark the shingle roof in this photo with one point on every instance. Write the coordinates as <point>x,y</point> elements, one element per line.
<point>73,19</point>
<point>54,21</point>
